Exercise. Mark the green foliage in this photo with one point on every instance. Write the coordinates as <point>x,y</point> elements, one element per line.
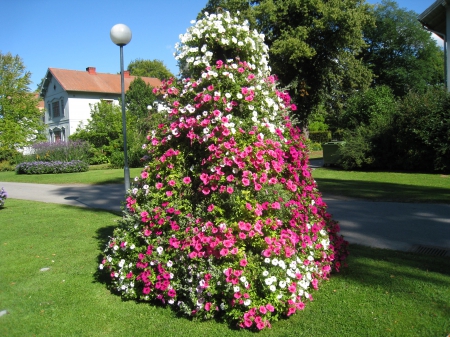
<point>103,131</point>
<point>313,46</point>
<point>320,136</point>
<point>139,99</point>
<point>401,54</point>
<point>412,135</point>
<point>20,118</point>
<point>6,166</point>
<point>316,121</point>
<point>374,105</point>
<point>423,130</point>
<point>367,129</point>
<point>149,68</point>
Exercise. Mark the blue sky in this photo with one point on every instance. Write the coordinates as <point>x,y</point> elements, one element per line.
<point>75,34</point>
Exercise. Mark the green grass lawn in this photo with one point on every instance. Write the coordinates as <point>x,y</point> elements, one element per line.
<point>94,176</point>
<point>381,293</point>
<point>385,186</point>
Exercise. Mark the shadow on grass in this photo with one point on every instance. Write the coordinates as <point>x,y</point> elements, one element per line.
<point>102,235</point>
<point>405,274</point>
<point>384,191</point>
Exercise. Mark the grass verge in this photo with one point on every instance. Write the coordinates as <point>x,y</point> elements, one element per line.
<point>381,293</point>
<point>385,186</point>
<point>92,177</point>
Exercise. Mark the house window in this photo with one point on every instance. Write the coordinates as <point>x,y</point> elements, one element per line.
<point>55,109</point>
<point>49,110</point>
<point>57,136</point>
<point>62,107</point>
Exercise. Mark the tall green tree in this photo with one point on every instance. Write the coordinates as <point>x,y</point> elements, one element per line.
<point>149,68</point>
<point>138,97</point>
<point>20,118</point>
<point>313,44</point>
<point>401,54</point>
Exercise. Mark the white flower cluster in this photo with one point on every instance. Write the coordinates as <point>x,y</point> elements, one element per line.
<point>221,30</point>
<point>295,274</point>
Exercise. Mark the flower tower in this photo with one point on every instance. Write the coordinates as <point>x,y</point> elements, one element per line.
<point>225,219</point>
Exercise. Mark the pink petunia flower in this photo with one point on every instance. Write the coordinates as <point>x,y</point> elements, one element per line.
<point>270,307</point>
<point>144,175</point>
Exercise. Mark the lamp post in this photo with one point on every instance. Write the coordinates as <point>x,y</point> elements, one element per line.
<point>121,35</point>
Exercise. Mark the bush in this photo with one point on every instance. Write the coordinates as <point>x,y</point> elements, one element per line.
<point>356,152</point>
<point>320,136</point>
<point>369,147</point>
<point>423,131</point>
<point>6,166</point>
<point>44,167</point>
<point>3,196</point>
<point>373,105</point>
<point>117,159</point>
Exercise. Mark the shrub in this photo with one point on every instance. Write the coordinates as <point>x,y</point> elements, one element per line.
<point>320,136</point>
<point>3,196</point>
<point>225,219</point>
<point>423,131</point>
<point>117,159</point>
<point>6,166</point>
<point>373,105</point>
<point>43,167</point>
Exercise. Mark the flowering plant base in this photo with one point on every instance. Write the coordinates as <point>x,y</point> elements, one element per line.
<point>3,196</point>
<point>225,218</point>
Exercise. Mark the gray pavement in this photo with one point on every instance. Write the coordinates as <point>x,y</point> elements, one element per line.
<point>398,226</point>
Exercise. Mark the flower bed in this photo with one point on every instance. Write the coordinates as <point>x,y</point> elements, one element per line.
<point>43,167</point>
<point>225,219</point>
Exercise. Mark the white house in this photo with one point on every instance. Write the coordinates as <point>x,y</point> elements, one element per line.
<point>68,94</point>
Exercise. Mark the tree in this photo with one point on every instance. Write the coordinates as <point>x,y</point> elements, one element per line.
<point>313,46</point>
<point>20,118</point>
<point>103,132</point>
<point>148,68</point>
<point>138,97</point>
<point>401,54</point>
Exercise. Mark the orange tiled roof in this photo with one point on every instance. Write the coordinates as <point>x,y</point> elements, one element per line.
<point>91,81</point>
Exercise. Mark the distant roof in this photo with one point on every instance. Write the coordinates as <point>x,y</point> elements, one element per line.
<point>92,81</point>
<point>434,16</point>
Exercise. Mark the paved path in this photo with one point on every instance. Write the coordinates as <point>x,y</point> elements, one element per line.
<point>390,225</point>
